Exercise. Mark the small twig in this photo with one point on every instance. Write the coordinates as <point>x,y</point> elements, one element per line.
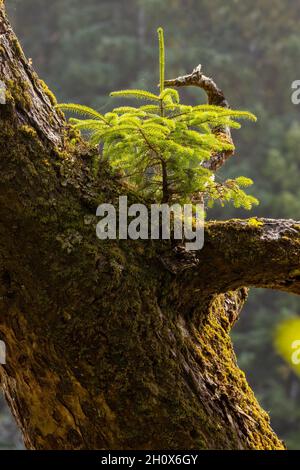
<point>196,78</point>
<point>216,97</point>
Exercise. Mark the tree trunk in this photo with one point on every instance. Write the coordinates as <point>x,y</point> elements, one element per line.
<point>117,344</point>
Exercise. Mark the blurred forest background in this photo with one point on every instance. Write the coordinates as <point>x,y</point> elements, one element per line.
<point>84,50</point>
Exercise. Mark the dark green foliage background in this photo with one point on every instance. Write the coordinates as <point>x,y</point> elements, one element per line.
<point>84,50</point>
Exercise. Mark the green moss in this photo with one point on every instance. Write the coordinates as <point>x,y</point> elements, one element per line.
<point>17,47</point>
<point>8,96</point>
<point>48,92</point>
<point>28,131</point>
<point>253,222</point>
<point>73,136</point>
<point>19,92</point>
<point>216,355</point>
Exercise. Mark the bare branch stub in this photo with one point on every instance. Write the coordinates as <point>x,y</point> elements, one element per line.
<point>215,97</point>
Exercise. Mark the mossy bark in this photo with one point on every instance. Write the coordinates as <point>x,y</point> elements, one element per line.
<point>117,344</point>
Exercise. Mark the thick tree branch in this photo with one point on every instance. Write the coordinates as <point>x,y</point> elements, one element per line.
<point>216,97</point>
<point>239,253</point>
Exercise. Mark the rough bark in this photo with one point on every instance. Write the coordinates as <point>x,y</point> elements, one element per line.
<point>125,344</point>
